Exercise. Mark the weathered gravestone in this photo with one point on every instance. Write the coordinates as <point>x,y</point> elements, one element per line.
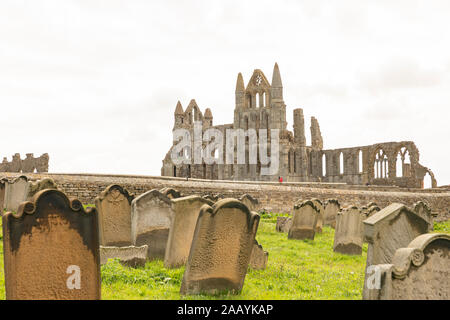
<point>304,220</point>
<point>40,185</point>
<point>213,197</point>
<point>2,193</point>
<point>332,207</point>
<point>170,193</point>
<point>259,257</point>
<point>283,224</point>
<point>51,249</point>
<point>185,215</point>
<point>348,237</point>
<point>386,231</point>
<point>250,202</point>
<point>129,256</point>
<point>421,271</point>
<point>370,211</point>
<point>16,192</point>
<point>151,217</point>
<point>319,223</point>
<point>114,208</point>
<point>221,248</point>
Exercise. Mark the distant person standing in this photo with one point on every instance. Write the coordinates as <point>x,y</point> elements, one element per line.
<point>280,179</point>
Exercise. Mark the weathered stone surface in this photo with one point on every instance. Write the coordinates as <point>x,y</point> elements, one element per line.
<point>16,192</point>
<point>185,215</point>
<point>283,224</point>
<point>250,202</point>
<point>259,257</point>
<point>129,256</point>
<point>213,197</point>
<point>40,185</point>
<point>151,216</point>
<point>332,207</point>
<point>348,237</point>
<point>386,231</point>
<point>304,220</point>
<point>2,193</point>
<point>114,208</point>
<point>51,249</point>
<point>370,211</point>
<point>320,218</point>
<point>421,271</point>
<point>28,165</point>
<point>171,193</point>
<point>221,248</point>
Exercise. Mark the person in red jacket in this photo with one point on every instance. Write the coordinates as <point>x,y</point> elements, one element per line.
<point>280,179</point>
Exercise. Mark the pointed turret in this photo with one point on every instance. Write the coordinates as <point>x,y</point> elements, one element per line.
<point>208,118</point>
<point>208,113</point>
<point>240,91</point>
<point>179,108</point>
<point>276,91</point>
<point>179,115</point>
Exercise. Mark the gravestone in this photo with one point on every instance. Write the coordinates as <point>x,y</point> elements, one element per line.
<point>16,192</point>
<point>221,248</point>
<point>348,237</point>
<point>51,249</point>
<point>283,224</point>
<point>370,211</point>
<point>129,256</point>
<point>2,193</point>
<point>304,220</point>
<point>185,215</point>
<point>319,223</point>
<point>332,207</point>
<point>421,271</point>
<point>386,231</point>
<point>151,218</point>
<point>259,257</point>
<point>170,193</point>
<point>250,202</point>
<point>424,211</point>
<point>114,208</point>
<point>40,185</point>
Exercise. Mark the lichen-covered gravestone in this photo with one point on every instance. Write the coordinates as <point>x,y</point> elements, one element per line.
<point>259,257</point>
<point>386,231</point>
<point>185,215</point>
<point>51,249</point>
<point>40,185</point>
<point>319,223</point>
<point>421,271</point>
<point>221,248</point>
<point>348,237</point>
<point>304,220</point>
<point>151,217</point>
<point>114,208</point>
<point>332,207</point>
<point>16,192</point>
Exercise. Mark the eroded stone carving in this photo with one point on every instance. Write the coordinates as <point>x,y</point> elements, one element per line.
<point>185,215</point>
<point>304,220</point>
<point>51,248</point>
<point>221,248</point>
<point>348,237</point>
<point>114,208</point>
<point>386,231</point>
<point>151,218</point>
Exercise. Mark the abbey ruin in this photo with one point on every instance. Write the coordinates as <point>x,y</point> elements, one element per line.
<point>260,105</point>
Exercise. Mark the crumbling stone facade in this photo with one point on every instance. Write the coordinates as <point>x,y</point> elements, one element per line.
<point>260,105</point>
<point>28,165</point>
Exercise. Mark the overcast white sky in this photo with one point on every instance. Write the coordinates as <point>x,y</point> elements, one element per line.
<point>95,83</point>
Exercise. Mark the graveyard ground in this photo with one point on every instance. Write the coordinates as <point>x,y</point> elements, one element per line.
<point>296,270</point>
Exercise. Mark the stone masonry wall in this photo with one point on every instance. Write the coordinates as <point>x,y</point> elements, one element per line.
<point>273,196</point>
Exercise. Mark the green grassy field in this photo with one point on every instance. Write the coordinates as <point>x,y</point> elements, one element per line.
<point>297,269</point>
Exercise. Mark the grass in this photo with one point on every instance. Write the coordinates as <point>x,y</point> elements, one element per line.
<point>297,269</point>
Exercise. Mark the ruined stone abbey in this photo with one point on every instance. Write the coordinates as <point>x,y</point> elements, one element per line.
<point>260,105</point>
